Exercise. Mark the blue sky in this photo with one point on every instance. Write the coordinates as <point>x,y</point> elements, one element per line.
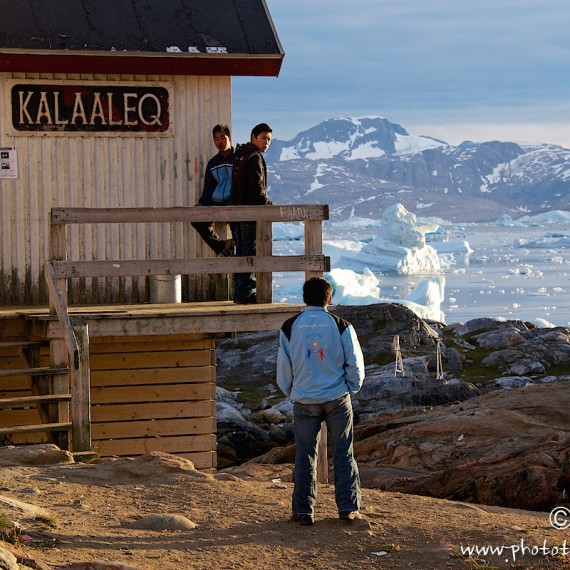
<point>453,69</point>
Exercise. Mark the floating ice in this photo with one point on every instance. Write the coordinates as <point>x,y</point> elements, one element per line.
<point>400,246</point>
<point>499,278</point>
<point>351,288</point>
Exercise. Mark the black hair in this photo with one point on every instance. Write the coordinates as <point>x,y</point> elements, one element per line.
<point>221,129</point>
<point>317,292</point>
<point>261,128</point>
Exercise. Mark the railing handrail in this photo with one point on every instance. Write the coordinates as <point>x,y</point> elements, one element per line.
<point>273,213</point>
<point>59,268</point>
<point>176,266</point>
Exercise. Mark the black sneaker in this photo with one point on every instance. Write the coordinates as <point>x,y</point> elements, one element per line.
<point>251,299</point>
<point>349,516</point>
<point>305,520</point>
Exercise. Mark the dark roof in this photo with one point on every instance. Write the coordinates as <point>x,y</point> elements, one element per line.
<point>214,37</point>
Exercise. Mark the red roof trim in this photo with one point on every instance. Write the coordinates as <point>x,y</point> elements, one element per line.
<point>141,65</point>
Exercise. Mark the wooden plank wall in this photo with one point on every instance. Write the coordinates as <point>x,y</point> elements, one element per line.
<point>154,394</point>
<point>101,170</point>
<point>147,394</point>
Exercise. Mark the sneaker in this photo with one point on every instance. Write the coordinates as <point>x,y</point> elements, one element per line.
<point>305,520</point>
<point>228,250</point>
<point>251,299</point>
<point>349,516</point>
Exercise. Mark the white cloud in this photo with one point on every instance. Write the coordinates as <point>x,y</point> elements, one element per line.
<point>522,133</point>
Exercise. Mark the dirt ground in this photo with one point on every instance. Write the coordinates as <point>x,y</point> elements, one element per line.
<point>84,516</point>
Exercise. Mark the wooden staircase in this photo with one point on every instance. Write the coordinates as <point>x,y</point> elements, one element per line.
<point>34,399</point>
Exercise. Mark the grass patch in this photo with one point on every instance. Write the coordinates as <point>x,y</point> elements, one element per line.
<point>477,374</point>
<point>9,531</point>
<point>558,370</point>
<point>252,396</point>
<point>86,456</point>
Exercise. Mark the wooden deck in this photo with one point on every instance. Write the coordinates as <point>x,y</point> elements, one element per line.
<point>215,318</point>
<point>150,382</point>
<point>125,379</point>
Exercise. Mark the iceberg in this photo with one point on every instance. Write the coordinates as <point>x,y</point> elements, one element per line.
<point>520,270</point>
<point>506,221</point>
<point>352,288</point>
<point>551,217</point>
<point>400,246</point>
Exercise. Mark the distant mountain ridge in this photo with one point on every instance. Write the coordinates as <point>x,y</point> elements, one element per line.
<point>361,166</point>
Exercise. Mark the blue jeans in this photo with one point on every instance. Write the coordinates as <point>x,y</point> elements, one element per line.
<point>244,235</point>
<point>307,424</point>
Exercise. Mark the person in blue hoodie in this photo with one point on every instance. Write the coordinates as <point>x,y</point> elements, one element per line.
<point>319,367</point>
<point>217,189</point>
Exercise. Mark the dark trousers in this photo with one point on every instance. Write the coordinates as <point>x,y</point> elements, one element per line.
<point>244,235</point>
<point>210,236</point>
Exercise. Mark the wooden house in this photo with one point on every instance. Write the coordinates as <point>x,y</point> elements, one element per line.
<point>106,111</point>
<point>110,104</point>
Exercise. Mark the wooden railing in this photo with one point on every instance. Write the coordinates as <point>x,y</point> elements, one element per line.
<point>59,268</point>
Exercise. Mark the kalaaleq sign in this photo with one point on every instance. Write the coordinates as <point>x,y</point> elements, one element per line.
<point>90,107</point>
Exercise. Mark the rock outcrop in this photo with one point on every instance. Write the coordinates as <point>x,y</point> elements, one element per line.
<point>507,447</point>
<point>475,412</point>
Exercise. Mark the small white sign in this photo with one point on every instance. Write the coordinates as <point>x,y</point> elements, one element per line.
<point>8,163</point>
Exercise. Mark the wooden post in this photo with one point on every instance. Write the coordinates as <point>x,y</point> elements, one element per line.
<point>81,391</point>
<point>58,251</point>
<point>313,243</point>
<point>59,358</point>
<point>264,248</point>
<point>322,460</point>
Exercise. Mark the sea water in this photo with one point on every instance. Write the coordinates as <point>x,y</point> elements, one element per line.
<point>520,272</point>
<point>502,277</point>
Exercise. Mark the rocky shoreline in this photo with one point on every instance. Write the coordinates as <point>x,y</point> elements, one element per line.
<point>477,411</point>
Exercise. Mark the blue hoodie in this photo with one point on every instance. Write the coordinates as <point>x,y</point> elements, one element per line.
<point>319,357</point>
<point>218,180</point>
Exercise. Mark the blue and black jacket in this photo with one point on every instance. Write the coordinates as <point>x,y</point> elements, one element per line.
<point>319,357</point>
<point>218,180</point>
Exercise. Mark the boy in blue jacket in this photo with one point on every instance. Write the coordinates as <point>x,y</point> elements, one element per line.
<point>319,366</point>
<point>217,189</point>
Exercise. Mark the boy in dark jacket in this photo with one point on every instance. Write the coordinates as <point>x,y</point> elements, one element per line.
<point>249,188</point>
<point>217,189</point>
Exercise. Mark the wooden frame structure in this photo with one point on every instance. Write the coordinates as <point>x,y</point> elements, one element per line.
<point>79,334</point>
<point>59,268</point>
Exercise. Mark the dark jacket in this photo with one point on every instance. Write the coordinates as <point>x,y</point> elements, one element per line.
<point>250,185</point>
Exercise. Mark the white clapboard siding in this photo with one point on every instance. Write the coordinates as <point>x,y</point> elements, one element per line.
<point>105,171</point>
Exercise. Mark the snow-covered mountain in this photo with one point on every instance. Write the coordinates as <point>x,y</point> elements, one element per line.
<point>361,166</point>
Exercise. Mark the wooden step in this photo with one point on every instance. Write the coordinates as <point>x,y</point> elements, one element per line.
<point>36,428</point>
<point>45,370</point>
<point>7,402</point>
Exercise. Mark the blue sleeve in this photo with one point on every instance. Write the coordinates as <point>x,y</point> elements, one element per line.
<point>353,360</point>
<point>284,366</point>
